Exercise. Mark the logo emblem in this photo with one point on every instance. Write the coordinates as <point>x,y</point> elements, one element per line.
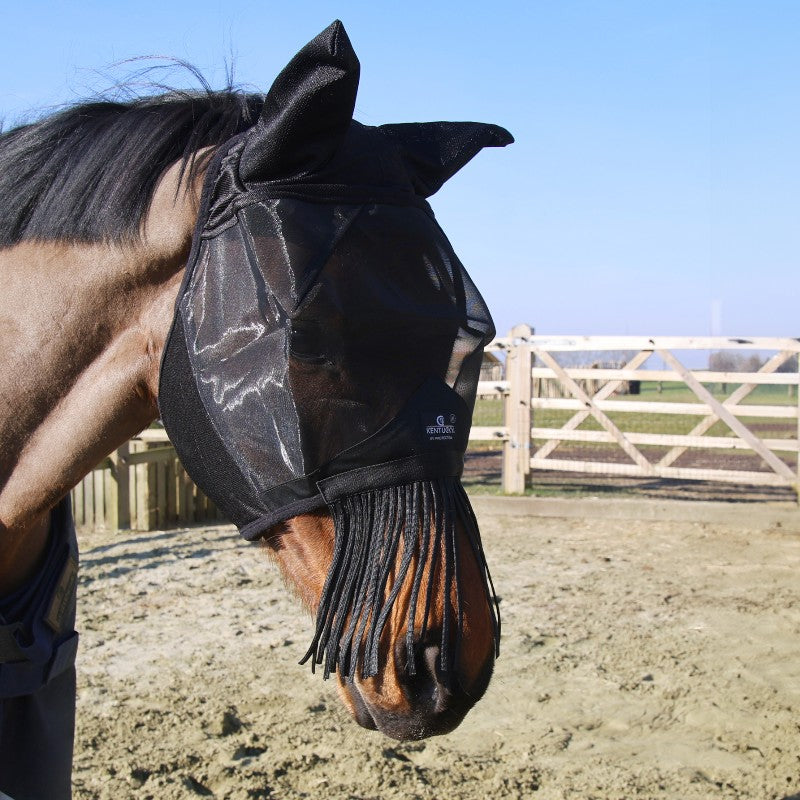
<point>439,427</point>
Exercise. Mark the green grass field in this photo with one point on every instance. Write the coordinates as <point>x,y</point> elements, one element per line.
<point>490,412</point>
<point>680,393</point>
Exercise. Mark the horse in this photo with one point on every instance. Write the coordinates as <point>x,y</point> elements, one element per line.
<point>102,202</point>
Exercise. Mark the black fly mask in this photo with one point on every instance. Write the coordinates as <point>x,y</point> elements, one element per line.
<point>327,344</point>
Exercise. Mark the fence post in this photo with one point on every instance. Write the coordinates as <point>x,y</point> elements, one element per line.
<point>110,492</point>
<point>120,508</point>
<point>517,449</point>
<point>78,511</point>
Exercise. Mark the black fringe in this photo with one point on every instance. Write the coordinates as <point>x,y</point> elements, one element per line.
<point>356,603</point>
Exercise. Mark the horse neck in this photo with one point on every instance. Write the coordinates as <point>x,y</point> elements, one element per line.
<point>82,328</point>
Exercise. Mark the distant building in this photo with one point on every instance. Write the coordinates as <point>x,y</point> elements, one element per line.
<point>491,368</point>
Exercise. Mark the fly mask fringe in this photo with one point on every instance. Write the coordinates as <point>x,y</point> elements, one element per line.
<point>418,522</point>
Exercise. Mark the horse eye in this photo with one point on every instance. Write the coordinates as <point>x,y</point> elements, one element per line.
<point>305,345</point>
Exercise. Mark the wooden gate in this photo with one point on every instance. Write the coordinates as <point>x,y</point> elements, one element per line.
<point>581,425</point>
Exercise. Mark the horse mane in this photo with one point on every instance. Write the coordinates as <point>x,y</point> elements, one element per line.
<point>88,173</point>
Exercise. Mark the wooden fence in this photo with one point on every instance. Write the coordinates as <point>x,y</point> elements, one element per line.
<point>589,399</point>
<point>143,485</point>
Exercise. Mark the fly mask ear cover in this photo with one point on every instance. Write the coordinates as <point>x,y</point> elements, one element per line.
<point>327,341</point>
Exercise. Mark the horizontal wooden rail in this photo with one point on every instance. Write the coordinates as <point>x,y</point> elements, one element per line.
<point>593,344</point>
<point>493,387</point>
<point>152,435</point>
<point>680,473</point>
<point>665,440</point>
<point>478,433</point>
<point>151,456</point>
<point>667,376</point>
<point>645,407</point>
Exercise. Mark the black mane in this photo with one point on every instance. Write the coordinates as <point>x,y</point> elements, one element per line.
<point>88,173</point>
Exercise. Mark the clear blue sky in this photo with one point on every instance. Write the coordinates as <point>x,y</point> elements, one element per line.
<point>656,171</point>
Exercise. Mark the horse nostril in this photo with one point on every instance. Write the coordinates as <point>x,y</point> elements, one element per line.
<point>430,656</point>
<point>437,698</point>
<point>442,682</point>
<point>426,684</point>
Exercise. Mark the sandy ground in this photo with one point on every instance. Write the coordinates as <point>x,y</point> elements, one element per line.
<point>650,650</point>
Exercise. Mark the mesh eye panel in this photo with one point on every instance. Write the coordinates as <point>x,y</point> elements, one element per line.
<point>309,326</point>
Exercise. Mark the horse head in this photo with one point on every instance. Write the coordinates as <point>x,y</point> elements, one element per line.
<point>319,379</point>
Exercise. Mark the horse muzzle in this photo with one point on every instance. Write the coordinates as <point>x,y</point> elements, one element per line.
<point>408,705</point>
